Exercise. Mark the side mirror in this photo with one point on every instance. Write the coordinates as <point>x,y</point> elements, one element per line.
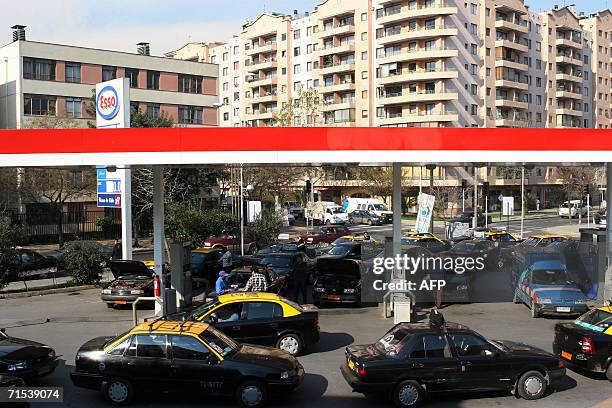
<point>490,354</point>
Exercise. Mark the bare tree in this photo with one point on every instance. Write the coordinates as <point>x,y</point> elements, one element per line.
<point>274,182</point>
<point>304,111</point>
<point>575,180</point>
<point>8,188</point>
<point>378,181</point>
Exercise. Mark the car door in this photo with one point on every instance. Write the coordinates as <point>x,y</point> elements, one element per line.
<point>261,321</point>
<point>431,360</point>
<point>522,288</point>
<point>227,318</point>
<point>194,367</point>
<point>482,365</point>
<point>146,362</point>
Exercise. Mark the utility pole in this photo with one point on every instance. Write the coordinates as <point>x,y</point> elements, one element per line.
<point>431,168</point>
<point>475,203</point>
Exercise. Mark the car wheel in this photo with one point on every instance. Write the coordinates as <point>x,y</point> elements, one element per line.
<point>251,394</point>
<point>535,313</point>
<point>370,223</point>
<point>531,385</point>
<point>408,394</point>
<point>609,372</point>
<point>291,343</point>
<point>118,391</point>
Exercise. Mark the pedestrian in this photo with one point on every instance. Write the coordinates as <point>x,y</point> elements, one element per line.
<point>227,260</point>
<point>538,204</point>
<point>222,285</point>
<point>300,279</point>
<point>117,250</point>
<point>257,282</point>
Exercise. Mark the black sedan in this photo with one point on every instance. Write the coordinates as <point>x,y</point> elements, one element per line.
<point>276,283</point>
<point>413,359</point>
<point>185,357</point>
<point>283,263</point>
<point>365,217</point>
<point>133,279</point>
<point>27,264</point>
<point>586,343</point>
<point>338,281</point>
<point>467,217</point>
<point>25,359</point>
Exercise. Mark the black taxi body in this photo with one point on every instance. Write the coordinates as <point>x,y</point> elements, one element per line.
<point>276,282</point>
<point>586,343</point>
<point>25,359</point>
<point>166,356</point>
<point>415,358</point>
<point>338,280</point>
<point>133,279</point>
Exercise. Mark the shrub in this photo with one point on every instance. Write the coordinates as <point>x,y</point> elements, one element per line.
<point>265,228</point>
<point>83,261</point>
<point>105,224</point>
<point>10,237</point>
<point>186,222</point>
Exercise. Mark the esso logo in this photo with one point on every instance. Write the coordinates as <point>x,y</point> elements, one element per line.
<point>107,103</point>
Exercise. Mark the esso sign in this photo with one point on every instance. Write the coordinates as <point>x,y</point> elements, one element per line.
<point>107,103</point>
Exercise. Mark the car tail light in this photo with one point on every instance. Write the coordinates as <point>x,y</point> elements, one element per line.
<point>587,345</point>
<point>561,365</point>
<point>361,371</point>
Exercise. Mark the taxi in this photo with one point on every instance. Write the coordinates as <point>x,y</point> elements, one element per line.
<point>354,238</point>
<point>500,236</point>
<point>425,240</point>
<point>587,341</point>
<point>162,356</point>
<point>542,240</point>
<point>260,318</point>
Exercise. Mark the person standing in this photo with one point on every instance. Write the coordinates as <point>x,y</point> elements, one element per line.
<point>300,279</point>
<point>257,282</point>
<point>117,250</point>
<point>222,285</point>
<point>227,260</point>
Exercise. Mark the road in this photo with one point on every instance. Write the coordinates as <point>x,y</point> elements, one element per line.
<point>77,317</point>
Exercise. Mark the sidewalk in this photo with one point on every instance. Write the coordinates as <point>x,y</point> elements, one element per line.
<point>62,280</point>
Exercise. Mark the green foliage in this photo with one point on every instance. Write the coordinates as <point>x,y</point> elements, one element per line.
<point>265,228</point>
<point>10,236</point>
<point>142,120</point>
<point>105,224</point>
<point>83,261</point>
<point>186,222</point>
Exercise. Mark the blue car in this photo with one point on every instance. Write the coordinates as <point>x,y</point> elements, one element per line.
<point>547,288</point>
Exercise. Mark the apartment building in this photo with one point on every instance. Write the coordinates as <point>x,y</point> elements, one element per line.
<point>40,79</point>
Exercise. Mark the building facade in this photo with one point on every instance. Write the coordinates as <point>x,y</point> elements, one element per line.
<point>40,80</point>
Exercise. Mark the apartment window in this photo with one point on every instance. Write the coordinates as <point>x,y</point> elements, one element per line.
<point>225,56</point>
<point>474,29</point>
<point>190,115</point>
<point>134,106</point>
<point>488,32</point>
<point>538,64</point>
<point>474,69</point>
<point>284,71</point>
<point>474,89</point>
<point>309,49</point>
<point>225,86</point>
<point>109,73</point>
<point>364,94</point>
<point>153,110</point>
<point>586,59</point>
<point>473,8</point>
<point>73,72</point>
<point>190,84</point>
<point>213,58</point>
<point>296,34</point>
<point>132,74</point>
<point>236,65</point>
<point>152,80</point>
<point>236,111</point>
<point>487,12</point>
<point>297,86</point>
<point>226,116</point>
<point>297,52</point>
<point>539,100</point>
<point>364,36</point>
<point>225,71</point>
<point>308,66</point>
<point>364,113</point>
<point>538,46</point>
<point>43,70</point>
<point>364,74</point>
<point>236,50</point>
<point>488,52</point>
<point>364,55</point>
<point>39,105</point>
<point>297,68</point>
<point>538,82</point>
<point>73,107</point>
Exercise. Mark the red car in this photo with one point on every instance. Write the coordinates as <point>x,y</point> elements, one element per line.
<point>325,235</point>
<point>229,240</point>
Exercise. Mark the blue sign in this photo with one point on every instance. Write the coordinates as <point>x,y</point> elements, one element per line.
<point>109,200</point>
<point>109,186</point>
<point>101,173</point>
<point>109,189</point>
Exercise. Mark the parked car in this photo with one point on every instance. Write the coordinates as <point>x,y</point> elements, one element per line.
<point>7,381</point>
<point>545,285</point>
<point>572,209</point>
<point>282,263</point>
<point>475,248</point>
<point>355,238</point>
<point>164,356</point>
<point>416,359</point>
<point>260,318</point>
<point>276,283</point>
<point>228,239</point>
<point>426,240</point>
<point>344,250</point>
<point>601,218</point>
<point>206,263</point>
<point>289,247</point>
<point>29,264</point>
<point>25,359</point>
<point>586,343</point>
<point>510,255</point>
<point>325,235</point>
<point>467,217</point>
<point>133,279</point>
<point>365,217</point>
<point>338,280</point>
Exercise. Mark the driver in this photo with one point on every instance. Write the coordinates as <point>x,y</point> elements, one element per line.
<point>229,314</point>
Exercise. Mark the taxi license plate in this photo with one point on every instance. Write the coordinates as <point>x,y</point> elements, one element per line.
<point>120,302</point>
<point>43,370</point>
<point>351,364</point>
<point>566,355</point>
<point>564,309</point>
<point>333,297</point>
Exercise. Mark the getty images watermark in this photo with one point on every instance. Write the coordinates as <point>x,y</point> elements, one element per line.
<point>426,264</point>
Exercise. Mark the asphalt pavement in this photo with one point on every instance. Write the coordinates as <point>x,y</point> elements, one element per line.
<point>77,317</point>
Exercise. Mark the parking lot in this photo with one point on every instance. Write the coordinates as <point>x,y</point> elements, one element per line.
<point>75,318</point>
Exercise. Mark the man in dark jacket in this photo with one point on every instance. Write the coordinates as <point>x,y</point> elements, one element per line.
<point>300,279</point>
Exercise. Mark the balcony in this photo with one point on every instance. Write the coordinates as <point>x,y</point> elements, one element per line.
<point>405,34</point>
<point>512,45</point>
<point>510,63</point>
<point>516,103</point>
<point>271,97</point>
<point>262,49</point>
<point>258,65</point>
<point>258,81</point>
<point>419,75</point>
<point>337,87</point>
<point>336,68</point>
<point>567,93</point>
<point>443,115</point>
<point>568,59</point>
<point>514,83</point>
<point>513,122</point>
<point>502,24</point>
<point>568,111</point>
<point>262,114</point>
<point>337,30</point>
<point>417,54</point>
<point>420,10</point>
<point>565,42</point>
<point>572,76</point>
<point>405,97</point>
<point>337,105</point>
<point>337,49</point>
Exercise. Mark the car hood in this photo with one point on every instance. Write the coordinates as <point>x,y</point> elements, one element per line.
<point>265,356</point>
<point>137,283</point>
<point>557,292</point>
<point>365,353</point>
<point>522,349</point>
<point>15,349</point>
<point>126,268</point>
<point>338,281</point>
<point>95,344</point>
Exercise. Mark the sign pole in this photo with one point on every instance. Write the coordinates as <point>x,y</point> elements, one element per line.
<point>126,213</point>
<point>487,211</point>
<point>158,234</point>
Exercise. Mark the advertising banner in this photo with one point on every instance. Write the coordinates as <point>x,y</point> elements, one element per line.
<point>426,205</point>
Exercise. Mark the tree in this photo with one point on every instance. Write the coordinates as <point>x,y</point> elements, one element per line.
<point>378,181</point>
<point>8,188</point>
<point>186,222</point>
<point>265,228</point>
<point>304,111</point>
<point>273,182</point>
<point>83,261</point>
<point>10,237</point>
<point>575,180</point>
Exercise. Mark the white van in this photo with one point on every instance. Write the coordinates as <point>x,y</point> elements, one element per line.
<point>374,205</point>
<point>328,212</point>
<point>572,209</point>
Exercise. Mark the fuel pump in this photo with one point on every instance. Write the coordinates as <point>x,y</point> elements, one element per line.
<point>180,254</point>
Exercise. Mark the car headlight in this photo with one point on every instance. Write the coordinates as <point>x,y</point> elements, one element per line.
<point>545,300</point>
<point>106,291</point>
<point>579,302</point>
<point>350,291</point>
<point>22,365</point>
<point>136,292</point>
<point>319,289</point>
<point>51,355</point>
<point>287,374</point>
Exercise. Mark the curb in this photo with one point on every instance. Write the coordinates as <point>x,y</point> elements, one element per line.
<point>40,292</point>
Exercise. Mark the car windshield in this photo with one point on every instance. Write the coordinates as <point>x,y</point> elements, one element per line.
<point>340,250</point>
<point>277,261</point>
<point>219,342</point>
<point>464,247</point>
<point>202,310</point>
<point>342,241</point>
<point>113,339</point>
<point>380,207</point>
<point>392,343</point>
<point>597,320</point>
<point>336,210</point>
<point>551,277</point>
<point>198,257</point>
<point>531,241</point>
